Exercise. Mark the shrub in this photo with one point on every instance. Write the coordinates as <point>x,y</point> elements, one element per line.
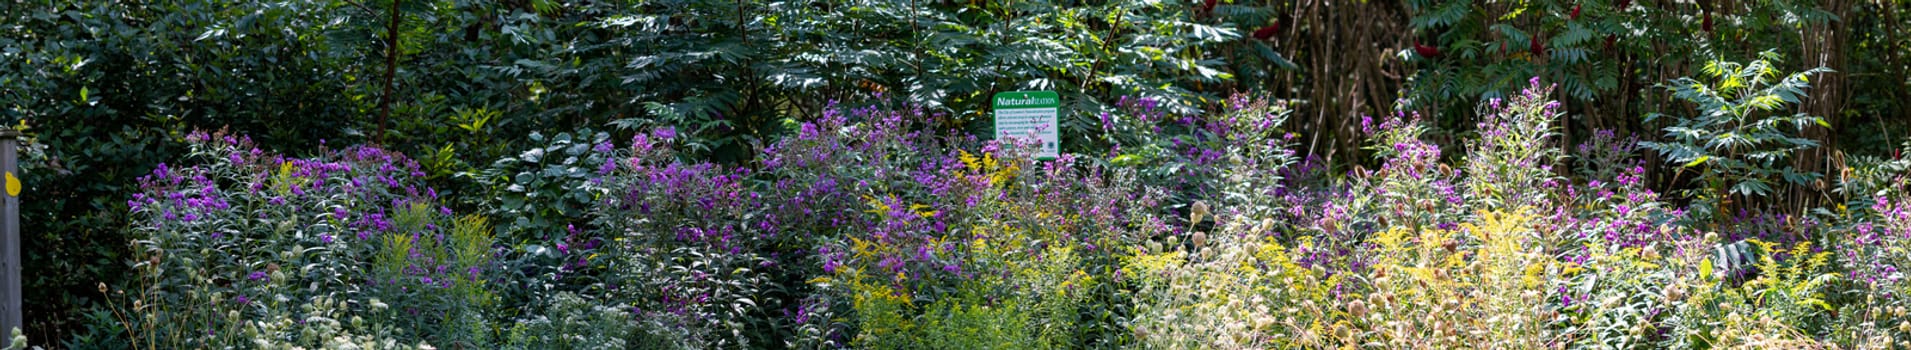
<point>246,247</point>
<point>683,244</point>
<point>1240,290</point>
<point>1782,307</point>
<point>569,321</point>
<point>1483,282</point>
<point>1739,134</point>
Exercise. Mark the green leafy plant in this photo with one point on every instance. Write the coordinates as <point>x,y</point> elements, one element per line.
<point>1740,140</point>
<point>570,321</point>
<point>545,187</point>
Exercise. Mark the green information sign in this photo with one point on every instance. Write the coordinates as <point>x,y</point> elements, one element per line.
<point>1030,115</point>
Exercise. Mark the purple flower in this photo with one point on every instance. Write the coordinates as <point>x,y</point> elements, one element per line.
<point>609,166</point>
<point>256,276</point>
<point>664,133</point>
<point>241,300</point>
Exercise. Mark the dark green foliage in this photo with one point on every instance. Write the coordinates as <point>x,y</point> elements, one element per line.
<point>108,90</point>
<point>543,188</point>
<point>1742,140</point>
<point>1605,59</point>
<point>730,72</point>
<point>542,196</point>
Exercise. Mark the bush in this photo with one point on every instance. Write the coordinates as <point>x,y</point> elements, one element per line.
<point>1739,135</point>
<point>568,321</point>
<point>246,248</point>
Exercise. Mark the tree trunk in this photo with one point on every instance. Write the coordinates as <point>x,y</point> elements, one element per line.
<point>1824,45</point>
<point>391,71</point>
<point>1348,70</point>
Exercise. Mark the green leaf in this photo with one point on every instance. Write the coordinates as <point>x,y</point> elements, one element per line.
<point>1705,268</point>
<point>1696,162</point>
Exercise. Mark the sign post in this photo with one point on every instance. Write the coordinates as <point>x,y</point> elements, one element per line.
<point>1030,115</point>
<point>10,318</point>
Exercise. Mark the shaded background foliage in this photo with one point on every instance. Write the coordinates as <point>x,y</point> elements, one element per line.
<point>108,89</point>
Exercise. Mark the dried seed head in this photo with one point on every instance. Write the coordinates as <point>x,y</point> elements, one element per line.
<point>1197,212</point>
<point>102,287</point>
<point>1357,308</point>
<point>1200,239</point>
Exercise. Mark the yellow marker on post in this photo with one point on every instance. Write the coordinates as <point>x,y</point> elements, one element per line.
<point>10,315</point>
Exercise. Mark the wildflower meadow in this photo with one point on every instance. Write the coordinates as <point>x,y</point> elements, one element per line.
<point>694,174</point>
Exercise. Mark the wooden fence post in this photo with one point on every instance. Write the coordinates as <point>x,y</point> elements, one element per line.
<point>10,318</point>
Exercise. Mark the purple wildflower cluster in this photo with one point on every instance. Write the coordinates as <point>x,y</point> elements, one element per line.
<point>857,190</point>
<point>1876,251</point>
<point>238,212</point>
